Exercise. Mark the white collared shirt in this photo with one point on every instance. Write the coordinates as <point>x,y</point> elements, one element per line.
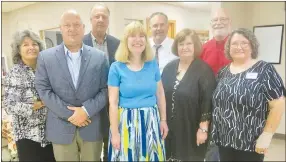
<point>102,47</point>
<point>165,54</point>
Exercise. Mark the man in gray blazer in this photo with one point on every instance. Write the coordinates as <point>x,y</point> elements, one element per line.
<point>98,38</point>
<point>71,81</point>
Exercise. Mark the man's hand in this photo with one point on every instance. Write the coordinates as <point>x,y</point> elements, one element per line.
<point>79,117</point>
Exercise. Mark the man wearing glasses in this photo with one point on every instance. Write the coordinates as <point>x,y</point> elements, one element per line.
<point>213,55</point>
<point>213,50</point>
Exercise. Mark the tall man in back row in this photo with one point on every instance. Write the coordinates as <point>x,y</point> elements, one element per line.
<point>160,42</point>
<point>213,50</point>
<point>98,38</point>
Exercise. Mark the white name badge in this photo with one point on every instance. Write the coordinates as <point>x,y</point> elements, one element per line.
<point>251,75</point>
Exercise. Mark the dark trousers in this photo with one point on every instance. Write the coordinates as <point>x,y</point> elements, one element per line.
<point>212,153</point>
<point>231,154</point>
<point>29,150</point>
<point>105,131</point>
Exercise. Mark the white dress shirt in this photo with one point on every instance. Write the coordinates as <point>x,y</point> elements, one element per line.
<point>165,54</point>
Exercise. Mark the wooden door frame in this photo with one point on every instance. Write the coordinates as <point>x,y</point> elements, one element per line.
<point>42,32</point>
<point>173,22</point>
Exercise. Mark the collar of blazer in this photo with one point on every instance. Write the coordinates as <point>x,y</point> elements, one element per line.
<point>60,54</point>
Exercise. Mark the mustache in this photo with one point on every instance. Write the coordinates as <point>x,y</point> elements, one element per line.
<point>220,27</point>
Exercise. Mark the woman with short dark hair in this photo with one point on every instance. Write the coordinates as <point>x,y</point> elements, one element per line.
<point>188,84</point>
<point>21,100</point>
<point>248,102</point>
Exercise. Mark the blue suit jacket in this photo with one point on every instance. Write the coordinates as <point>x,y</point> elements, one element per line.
<point>55,87</point>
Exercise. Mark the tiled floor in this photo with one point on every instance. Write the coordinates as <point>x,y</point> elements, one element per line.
<point>276,151</point>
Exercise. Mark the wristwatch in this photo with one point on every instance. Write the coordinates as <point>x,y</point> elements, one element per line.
<point>204,130</point>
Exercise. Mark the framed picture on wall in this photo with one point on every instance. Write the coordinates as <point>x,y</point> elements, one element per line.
<point>128,21</point>
<point>270,38</point>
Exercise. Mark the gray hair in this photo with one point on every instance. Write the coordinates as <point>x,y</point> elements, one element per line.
<point>159,14</point>
<point>18,39</point>
<point>99,4</point>
<point>249,35</point>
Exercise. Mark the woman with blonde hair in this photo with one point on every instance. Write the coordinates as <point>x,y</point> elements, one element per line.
<point>137,128</point>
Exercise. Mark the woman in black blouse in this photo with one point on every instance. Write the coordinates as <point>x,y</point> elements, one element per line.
<point>248,102</point>
<point>188,83</point>
<point>21,100</point>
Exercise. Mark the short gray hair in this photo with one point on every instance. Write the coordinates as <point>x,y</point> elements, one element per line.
<point>18,39</point>
<point>159,14</point>
<point>249,35</point>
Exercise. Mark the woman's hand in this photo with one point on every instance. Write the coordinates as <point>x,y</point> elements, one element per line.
<point>164,129</point>
<point>115,140</point>
<point>201,137</point>
<point>38,105</point>
<point>263,142</point>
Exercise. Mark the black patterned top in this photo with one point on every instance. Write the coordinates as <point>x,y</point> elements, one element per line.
<point>20,94</point>
<point>188,103</point>
<point>241,105</point>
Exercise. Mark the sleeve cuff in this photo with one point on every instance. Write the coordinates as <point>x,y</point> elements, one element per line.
<point>85,111</point>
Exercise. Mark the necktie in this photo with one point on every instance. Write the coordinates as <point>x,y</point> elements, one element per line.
<point>157,52</point>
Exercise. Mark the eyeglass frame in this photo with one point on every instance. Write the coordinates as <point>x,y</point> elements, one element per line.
<point>243,45</point>
<point>223,20</point>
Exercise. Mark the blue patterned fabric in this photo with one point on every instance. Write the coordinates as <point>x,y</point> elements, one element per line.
<point>140,135</point>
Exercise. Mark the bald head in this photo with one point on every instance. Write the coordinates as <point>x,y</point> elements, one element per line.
<point>68,14</point>
<point>220,24</point>
<point>72,28</point>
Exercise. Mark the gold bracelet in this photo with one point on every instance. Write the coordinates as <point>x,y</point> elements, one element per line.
<point>163,120</point>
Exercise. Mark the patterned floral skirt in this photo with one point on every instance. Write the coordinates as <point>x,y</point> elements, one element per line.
<point>140,137</point>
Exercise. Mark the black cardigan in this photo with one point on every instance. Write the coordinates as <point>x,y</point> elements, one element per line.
<point>192,102</point>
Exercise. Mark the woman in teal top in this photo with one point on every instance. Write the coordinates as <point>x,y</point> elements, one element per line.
<point>135,95</point>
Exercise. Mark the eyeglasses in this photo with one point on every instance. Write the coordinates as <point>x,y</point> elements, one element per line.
<point>68,26</point>
<point>242,45</point>
<point>223,20</point>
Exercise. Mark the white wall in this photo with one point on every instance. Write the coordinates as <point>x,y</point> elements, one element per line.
<point>238,12</point>
<point>185,18</point>
<point>39,16</point>
<point>6,38</point>
<point>271,13</point>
